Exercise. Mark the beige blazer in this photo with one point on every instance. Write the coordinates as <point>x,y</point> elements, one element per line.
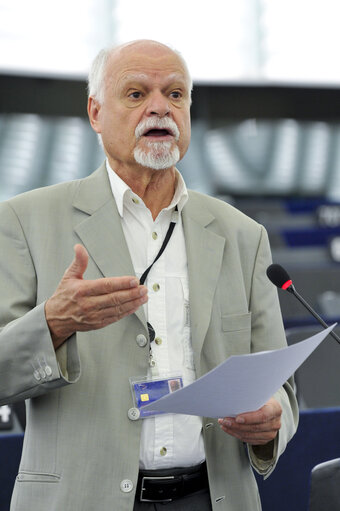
<point>80,446</point>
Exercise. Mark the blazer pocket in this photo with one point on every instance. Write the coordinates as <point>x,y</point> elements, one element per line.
<point>236,322</point>
<point>37,477</point>
<point>236,332</point>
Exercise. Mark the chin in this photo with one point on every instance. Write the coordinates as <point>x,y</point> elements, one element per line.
<point>159,158</point>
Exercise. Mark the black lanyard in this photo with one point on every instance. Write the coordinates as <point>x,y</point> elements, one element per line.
<point>142,279</point>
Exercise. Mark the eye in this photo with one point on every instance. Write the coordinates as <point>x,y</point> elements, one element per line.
<point>135,95</point>
<point>176,94</point>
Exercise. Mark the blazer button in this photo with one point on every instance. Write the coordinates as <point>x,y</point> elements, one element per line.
<point>42,373</point>
<point>48,371</point>
<point>141,340</point>
<point>36,375</point>
<point>126,485</point>
<point>133,414</point>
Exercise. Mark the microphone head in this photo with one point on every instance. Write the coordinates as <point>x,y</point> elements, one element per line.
<point>278,276</point>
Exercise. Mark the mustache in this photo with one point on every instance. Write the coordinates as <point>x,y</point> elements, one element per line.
<point>155,123</point>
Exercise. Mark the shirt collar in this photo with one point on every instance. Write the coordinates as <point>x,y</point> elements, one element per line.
<point>121,191</point>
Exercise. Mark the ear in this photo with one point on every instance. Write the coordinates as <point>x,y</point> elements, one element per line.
<point>93,110</point>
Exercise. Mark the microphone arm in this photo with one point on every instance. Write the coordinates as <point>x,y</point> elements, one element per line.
<point>291,289</point>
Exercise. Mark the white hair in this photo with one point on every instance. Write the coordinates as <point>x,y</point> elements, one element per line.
<point>96,75</point>
<point>160,155</point>
<point>95,81</point>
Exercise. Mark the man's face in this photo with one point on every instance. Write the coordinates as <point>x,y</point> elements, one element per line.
<point>145,116</point>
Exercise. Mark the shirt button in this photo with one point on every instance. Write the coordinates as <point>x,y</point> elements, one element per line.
<point>163,451</point>
<point>156,287</point>
<point>133,414</point>
<point>126,485</point>
<point>154,235</point>
<point>135,200</point>
<point>141,340</point>
<point>158,341</point>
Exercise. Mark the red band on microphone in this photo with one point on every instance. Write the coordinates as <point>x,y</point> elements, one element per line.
<point>287,284</point>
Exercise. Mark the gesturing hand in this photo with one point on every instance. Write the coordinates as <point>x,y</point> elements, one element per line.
<point>83,305</point>
<point>255,428</point>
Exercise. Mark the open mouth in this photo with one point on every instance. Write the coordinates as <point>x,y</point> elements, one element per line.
<point>157,132</point>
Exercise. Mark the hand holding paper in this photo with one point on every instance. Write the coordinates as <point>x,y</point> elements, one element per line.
<point>255,428</point>
<point>241,384</point>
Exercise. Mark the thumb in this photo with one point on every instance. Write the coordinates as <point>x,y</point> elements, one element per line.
<point>78,266</point>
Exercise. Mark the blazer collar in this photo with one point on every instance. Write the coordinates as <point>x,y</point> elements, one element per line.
<point>100,228</point>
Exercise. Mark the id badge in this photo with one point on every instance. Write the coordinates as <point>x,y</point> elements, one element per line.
<point>146,391</point>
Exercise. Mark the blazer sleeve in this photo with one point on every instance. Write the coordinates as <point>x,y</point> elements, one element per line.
<point>268,333</point>
<point>29,365</point>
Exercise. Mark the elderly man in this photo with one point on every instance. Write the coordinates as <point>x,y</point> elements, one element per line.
<point>164,285</point>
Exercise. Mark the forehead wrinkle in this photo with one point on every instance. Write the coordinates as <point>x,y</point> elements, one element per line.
<point>134,77</point>
<point>143,78</point>
<point>145,64</point>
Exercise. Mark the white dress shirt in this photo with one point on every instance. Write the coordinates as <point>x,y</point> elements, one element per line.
<point>167,440</point>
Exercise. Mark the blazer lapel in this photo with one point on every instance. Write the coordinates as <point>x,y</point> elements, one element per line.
<point>100,229</point>
<point>101,233</point>
<point>204,252</point>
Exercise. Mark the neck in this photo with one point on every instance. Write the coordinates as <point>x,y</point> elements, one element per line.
<point>155,187</point>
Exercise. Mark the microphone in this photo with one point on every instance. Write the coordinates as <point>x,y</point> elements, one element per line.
<point>280,278</point>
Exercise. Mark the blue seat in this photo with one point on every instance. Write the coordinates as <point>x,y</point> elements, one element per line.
<point>10,454</point>
<point>316,441</point>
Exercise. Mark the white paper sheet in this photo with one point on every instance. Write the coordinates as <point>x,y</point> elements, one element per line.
<point>241,384</point>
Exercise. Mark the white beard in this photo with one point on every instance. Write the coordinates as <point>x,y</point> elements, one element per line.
<point>159,156</point>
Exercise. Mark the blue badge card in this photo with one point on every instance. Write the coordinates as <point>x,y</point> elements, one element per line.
<point>146,391</point>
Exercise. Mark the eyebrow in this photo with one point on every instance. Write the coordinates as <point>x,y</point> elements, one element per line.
<point>134,77</point>
<point>142,77</point>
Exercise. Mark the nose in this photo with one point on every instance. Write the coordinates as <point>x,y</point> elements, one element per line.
<point>158,105</point>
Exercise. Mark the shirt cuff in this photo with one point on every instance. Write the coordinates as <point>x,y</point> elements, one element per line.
<point>262,466</point>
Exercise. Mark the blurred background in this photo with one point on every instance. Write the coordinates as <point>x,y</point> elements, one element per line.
<point>265,127</point>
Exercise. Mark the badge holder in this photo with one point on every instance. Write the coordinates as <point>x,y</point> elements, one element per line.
<point>146,391</point>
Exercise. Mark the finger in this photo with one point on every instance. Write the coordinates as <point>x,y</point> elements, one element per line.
<point>110,285</point>
<point>256,439</point>
<point>268,412</point>
<point>232,426</point>
<point>258,417</point>
<point>120,301</point>
<point>252,437</point>
<point>244,420</point>
<point>114,313</point>
<point>91,319</point>
<point>79,264</point>
<point>118,298</point>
